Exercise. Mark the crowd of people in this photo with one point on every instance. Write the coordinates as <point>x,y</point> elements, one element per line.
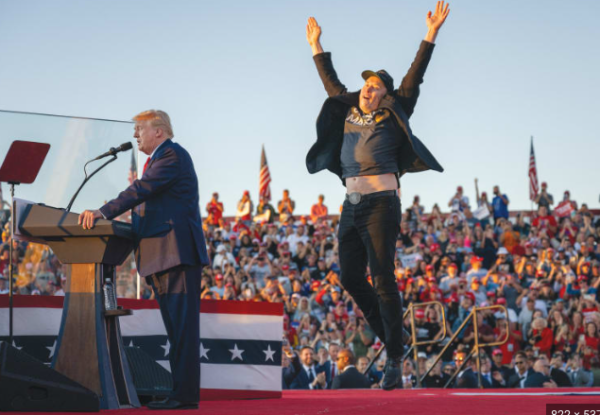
<point>544,269</point>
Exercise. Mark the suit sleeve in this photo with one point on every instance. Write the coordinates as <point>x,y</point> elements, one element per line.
<point>336,383</point>
<point>332,84</point>
<point>408,92</point>
<point>159,176</point>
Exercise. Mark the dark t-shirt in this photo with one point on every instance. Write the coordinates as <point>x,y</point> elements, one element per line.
<point>371,144</point>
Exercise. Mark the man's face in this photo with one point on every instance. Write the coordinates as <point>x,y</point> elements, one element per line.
<point>521,363</point>
<point>371,94</point>
<point>363,362</point>
<point>307,357</point>
<point>496,190</point>
<point>334,349</point>
<point>147,136</point>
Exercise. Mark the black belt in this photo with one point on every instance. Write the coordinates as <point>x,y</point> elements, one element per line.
<point>355,198</point>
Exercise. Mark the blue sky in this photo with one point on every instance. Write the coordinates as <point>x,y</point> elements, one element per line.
<point>235,75</point>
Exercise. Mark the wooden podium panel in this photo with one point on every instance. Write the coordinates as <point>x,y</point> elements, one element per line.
<point>89,349</point>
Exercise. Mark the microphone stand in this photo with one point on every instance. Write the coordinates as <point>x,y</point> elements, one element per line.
<point>87,178</point>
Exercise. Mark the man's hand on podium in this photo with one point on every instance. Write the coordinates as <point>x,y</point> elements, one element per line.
<point>87,218</point>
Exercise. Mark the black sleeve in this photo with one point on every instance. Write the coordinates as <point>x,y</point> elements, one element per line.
<point>408,91</point>
<point>329,77</point>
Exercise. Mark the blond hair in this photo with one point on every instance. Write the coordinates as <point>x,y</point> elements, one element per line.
<point>157,118</point>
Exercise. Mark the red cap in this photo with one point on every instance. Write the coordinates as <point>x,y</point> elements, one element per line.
<point>434,247</point>
<point>470,296</point>
<point>429,268</point>
<point>285,267</point>
<point>501,301</point>
<point>496,352</point>
<point>229,284</point>
<point>314,285</point>
<point>491,293</point>
<point>246,193</point>
<point>453,298</point>
<point>582,278</point>
<point>219,277</point>
<point>539,273</point>
<point>232,237</point>
<point>419,313</point>
<point>483,194</point>
<point>431,279</point>
<point>453,265</point>
<point>410,281</point>
<point>476,258</point>
<point>459,189</point>
<point>544,184</point>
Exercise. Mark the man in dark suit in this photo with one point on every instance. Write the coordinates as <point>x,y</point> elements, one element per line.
<point>540,378</point>
<point>170,249</point>
<point>308,376</point>
<point>521,371</point>
<point>365,139</point>
<point>329,367</point>
<point>557,374</point>
<point>349,377</point>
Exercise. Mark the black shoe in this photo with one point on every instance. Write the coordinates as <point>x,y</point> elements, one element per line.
<point>392,375</point>
<point>171,404</point>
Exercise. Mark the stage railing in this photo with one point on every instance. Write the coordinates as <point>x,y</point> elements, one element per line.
<point>472,317</point>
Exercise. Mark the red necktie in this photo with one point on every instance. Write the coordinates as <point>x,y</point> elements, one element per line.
<point>332,371</point>
<point>146,166</point>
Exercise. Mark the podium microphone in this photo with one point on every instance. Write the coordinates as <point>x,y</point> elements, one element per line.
<point>123,147</point>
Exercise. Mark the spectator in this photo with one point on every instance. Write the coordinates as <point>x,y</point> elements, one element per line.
<point>309,376</point>
<point>557,372</point>
<point>285,207</point>
<point>349,377</point>
<point>318,210</point>
<point>265,213</point>
<point>214,208</point>
<point>497,366</point>
<point>521,371</point>
<point>545,222</point>
<point>541,376</point>
<point>580,377</point>
<point>409,380</point>
<point>244,208</point>
<point>544,198</point>
<point>436,378</point>
<point>459,201</point>
<point>500,205</point>
<point>329,366</point>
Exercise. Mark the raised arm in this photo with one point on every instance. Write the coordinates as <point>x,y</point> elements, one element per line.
<point>408,92</point>
<point>332,84</point>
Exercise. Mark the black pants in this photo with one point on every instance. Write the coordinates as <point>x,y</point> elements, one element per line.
<point>177,291</point>
<point>367,235</point>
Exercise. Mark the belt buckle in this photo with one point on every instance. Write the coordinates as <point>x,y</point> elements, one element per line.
<point>354,198</point>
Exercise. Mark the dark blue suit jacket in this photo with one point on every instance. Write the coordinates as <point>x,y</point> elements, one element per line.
<point>166,212</point>
<point>301,378</point>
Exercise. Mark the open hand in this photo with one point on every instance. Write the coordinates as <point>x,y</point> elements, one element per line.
<point>436,20</point>
<point>313,31</point>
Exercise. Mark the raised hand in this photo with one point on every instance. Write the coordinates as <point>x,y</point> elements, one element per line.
<point>436,20</point>
<point>313,35</point>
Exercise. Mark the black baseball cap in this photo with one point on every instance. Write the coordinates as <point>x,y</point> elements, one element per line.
<point>382,74</point>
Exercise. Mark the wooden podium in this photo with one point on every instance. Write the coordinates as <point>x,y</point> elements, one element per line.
<point>89,349</point>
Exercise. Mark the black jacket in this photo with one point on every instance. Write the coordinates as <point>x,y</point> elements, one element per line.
<point>536,380</point>
<point>413,156</point>
<point>351,378</point>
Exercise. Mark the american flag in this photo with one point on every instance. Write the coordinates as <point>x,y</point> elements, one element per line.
<point>132,176</point>
<point>264,181</point>
<point>533,179</point>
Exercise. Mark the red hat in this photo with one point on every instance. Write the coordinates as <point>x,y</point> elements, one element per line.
<point>285,267</point>
<point>453,298</point>
<point>315,284</point>
<point>459,189</point>
<point>431,279</point>
<point>219,277</point>
<point>544,184</point>
<point>470,296</point>
<point>539,273</point>
<point>229,285</point>
<point>496,352</point>
<point>476,258</point>
<point>419,313</point>
<point>246,193</point>
<point>582,278</point>
<point>501,301</point>
<point>434,247</point>
<point>453,265</point>
<point>491,293</point>
<point>429,268</point>
<point>586,264</point>
<point>410,281</point>
<point>233,237</point>
<point>483,194</point>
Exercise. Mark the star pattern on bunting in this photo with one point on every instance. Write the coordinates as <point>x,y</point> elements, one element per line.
<point>167,348</point>
<point>236,353</point>
<point>269,354</point>
<point>203,352</point>
<point>15,346</point>
<point>52,350</point>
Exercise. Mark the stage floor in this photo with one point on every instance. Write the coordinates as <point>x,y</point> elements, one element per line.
<point>378,402</point>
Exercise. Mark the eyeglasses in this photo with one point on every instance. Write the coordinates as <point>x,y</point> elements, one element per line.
<point>519,362</point>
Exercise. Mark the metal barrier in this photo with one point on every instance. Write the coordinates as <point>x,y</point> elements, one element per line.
<point>414,344</point>
<point>476,347</point>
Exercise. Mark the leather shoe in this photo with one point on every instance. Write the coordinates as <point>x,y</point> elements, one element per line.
<point>170,404</point>
<point>392,375</point>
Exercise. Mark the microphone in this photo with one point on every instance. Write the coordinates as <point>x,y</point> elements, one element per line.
<point>123,147</point>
